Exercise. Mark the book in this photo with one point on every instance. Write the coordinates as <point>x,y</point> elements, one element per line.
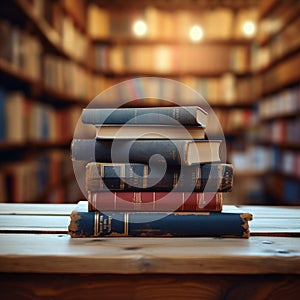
<point>157,224</point>
<point>149,132</point>
<point>175,152</point>
<point>186,115</point>
<point>154,201</point>
<point>139,177</point>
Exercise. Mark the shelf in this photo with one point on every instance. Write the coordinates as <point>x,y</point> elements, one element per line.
<point>292,16</point>
<point>172,42</point>
<point>175,74</point>
<point>266,7</point>
<point>20,12</point>
<point>9,146</point>
<point>15,78</point>
<point>283,145</point>
<point>11,73</point>
<point>281,75</point>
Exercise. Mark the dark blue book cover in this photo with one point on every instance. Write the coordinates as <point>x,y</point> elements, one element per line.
<point>175,152</point>
<point>157,224</point>
<point>185,115</point>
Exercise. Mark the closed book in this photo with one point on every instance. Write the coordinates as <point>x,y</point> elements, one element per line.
<point>185,115</point>
<point>215,177</point>
<point>175,152</point>
<point>154,201</point>
<point>149,132</point>
<point>157,224</point>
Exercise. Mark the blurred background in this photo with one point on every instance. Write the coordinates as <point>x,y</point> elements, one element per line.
<point>243,56</point>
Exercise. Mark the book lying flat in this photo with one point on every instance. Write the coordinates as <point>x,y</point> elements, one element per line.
<point>186,115</point>
<point>157,224</point>
<point>175,152</point>
<point>211,177</point>
<point>154,201</point>
<point>149,132</point>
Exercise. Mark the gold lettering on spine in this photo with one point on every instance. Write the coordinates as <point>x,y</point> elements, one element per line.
<point>126,223</point>
<point>101,224</point>
<point>96,223</point>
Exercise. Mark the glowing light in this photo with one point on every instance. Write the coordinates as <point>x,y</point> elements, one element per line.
<point>140,28</point>
<point>196,33</point>
<point>249,28</point>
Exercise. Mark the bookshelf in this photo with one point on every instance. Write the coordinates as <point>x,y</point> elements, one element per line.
<point>276,133</point>
<point>252,84</point>
<point>45,82</point>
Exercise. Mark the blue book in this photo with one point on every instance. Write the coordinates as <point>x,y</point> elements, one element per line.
<point>185,115</point>
<point>175,152</point>
<point>86,223</point>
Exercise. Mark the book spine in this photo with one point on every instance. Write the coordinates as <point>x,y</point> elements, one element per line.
<point>161,115</point>
<point>214,177</point>
<point>152,224</point>
<point>175,152</point>
<point>154,201</point>
<point>139,151</point>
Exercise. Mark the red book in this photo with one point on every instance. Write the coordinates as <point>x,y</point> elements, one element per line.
<point>154,201</point>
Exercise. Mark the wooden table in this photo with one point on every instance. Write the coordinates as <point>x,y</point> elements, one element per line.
<point>38,260</point>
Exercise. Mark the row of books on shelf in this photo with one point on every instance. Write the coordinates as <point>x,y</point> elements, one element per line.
<point>24,52</point>
<point>263,159</point>
<point>226,89</point>
<point>285,102</point>
<point>277,20</point>
<point>168,25</point>
<point>234,119</point>
<point>285,42</point>
<point>20,49</point>
<point>282,131</point>
<point>68,77</point>
<point>282,190</point>
<point>61,27</point>
<point>163,58</point>
<point>43,178</point>
<point>132,191</point>
<point>24,120</point>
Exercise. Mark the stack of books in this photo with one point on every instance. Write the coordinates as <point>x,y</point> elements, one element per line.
<point>153,172</point>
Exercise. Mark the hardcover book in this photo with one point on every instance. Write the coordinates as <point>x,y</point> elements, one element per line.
<point>175,152</point>
<point>154,201</point>
<point>186,115</point>
<point>157,224</point>
<point>139,178</point>
<point>149,132</point>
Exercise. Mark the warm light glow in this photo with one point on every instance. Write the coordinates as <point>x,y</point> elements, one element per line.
<point>140,28</point>
<point>249,28</point>
<point>196,33</point>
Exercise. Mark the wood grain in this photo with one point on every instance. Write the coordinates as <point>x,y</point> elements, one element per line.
<point>49,253</point>
<point>149,287</point>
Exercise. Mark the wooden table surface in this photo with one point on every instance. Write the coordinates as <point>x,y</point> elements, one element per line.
<point>38,260</point>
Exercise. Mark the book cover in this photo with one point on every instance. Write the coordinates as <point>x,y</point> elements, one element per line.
<point>138,177</point>
<point>175,152</point>
<point>154,201</point>
<point>186,115</point>
<point>157,224</point>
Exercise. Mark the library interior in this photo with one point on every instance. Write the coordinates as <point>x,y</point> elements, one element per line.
<point>242,56</point>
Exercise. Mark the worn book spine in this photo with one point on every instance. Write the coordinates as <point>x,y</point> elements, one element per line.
<point>186,115</point>
<point>154,201</point>
<point>212,177</point>
<point>160,224</point>
<point>174,152</point>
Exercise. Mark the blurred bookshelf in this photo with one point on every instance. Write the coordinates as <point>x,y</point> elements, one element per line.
<point>56,56</point>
